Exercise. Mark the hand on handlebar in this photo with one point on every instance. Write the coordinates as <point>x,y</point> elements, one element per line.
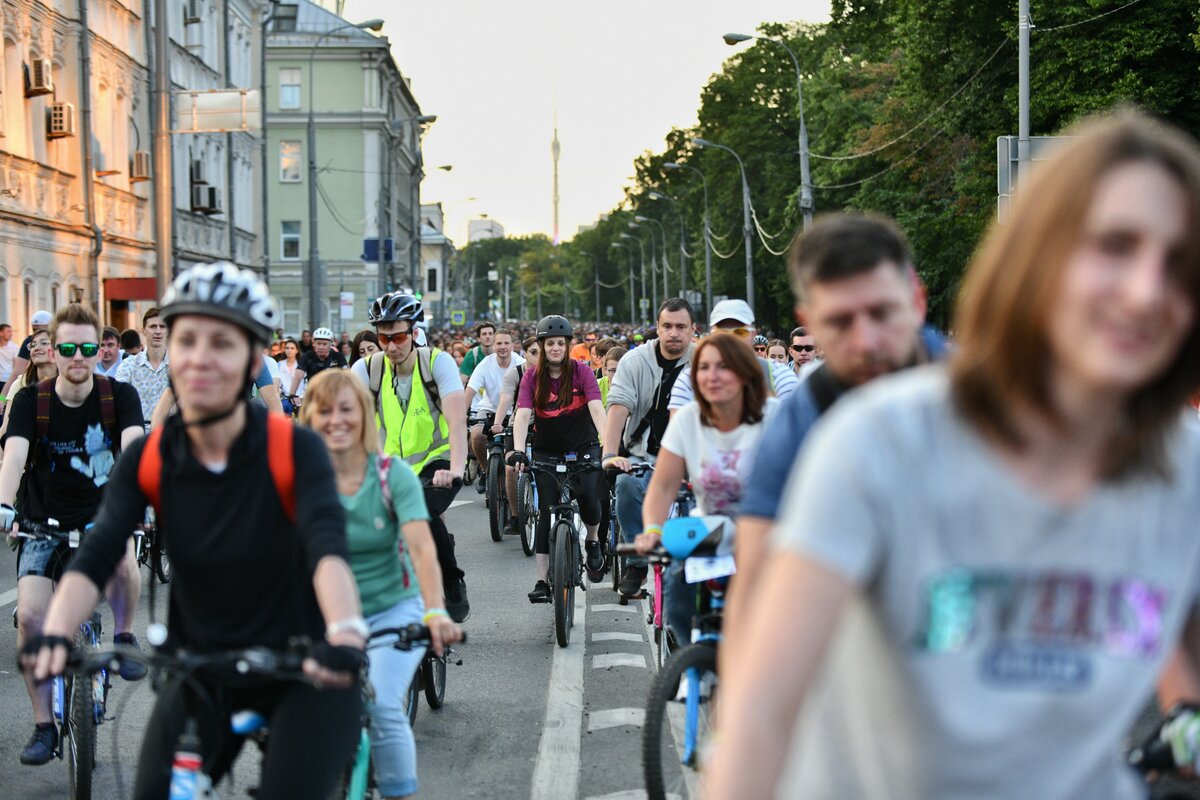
<point>336,663</point>
<point>45,656</point>
<point>443,631</point>
<point>444,479</point>
<point>8,515</point>
<point>616,462</point>
<point>497,429</point>
<point>518,460</point>
<point>645,543</point>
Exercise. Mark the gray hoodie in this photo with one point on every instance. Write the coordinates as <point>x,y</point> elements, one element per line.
<point>634,387</point>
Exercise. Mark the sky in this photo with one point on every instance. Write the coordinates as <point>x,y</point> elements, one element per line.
<point>621,73</point>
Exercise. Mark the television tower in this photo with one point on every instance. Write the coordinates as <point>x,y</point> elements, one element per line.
<point>555,149</point>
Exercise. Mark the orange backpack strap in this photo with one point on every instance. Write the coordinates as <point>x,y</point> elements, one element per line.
<point>149,472</point>
<point>280,433</point>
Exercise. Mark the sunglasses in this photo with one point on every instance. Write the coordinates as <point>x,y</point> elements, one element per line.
<point>735,331</point>
<point>67,349</point>
<point>804,348</point>
<point>760,349</point>
<point>387,338</point>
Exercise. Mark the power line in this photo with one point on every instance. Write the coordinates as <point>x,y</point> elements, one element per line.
<point>899,162</point>
<point>1036,29</point>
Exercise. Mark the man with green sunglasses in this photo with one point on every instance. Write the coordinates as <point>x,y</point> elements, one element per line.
<point>65,433</point>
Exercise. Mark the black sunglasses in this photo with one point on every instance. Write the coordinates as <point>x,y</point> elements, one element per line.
<point>804,348</point>
<point>67,349</point>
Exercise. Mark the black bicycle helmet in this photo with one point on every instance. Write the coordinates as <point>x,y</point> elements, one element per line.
<point>554,325</point>
<point>225,291</point>
<point>395,307</point>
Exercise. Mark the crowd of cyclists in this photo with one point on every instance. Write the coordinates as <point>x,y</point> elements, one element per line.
<point>966,582</point>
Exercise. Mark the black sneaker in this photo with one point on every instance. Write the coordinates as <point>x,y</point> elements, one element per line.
<point>41,745</point>
<point>481,484</point>
<point>540,593</point>
<point>130,670</point>
<point>631,582</point>
<point>457,605</point>
<point>512,527</point>
<point>594,562</point>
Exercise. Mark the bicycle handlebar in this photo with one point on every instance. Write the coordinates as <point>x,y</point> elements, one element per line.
<point>32,529</point>
<point>409,636</point>
<point>260,661</point>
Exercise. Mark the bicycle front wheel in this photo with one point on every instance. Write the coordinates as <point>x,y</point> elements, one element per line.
<point>614,539</point>
<point>161,561</point>
<point>565,542</point>
<point>527,512</point>
<point>679,722</point>
<point>495,497</point>
<point>79,745</point>
<point>414,698</point>
<point>433,677</point>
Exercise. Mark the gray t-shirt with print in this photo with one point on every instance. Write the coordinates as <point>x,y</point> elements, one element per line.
<point>1000,643</point>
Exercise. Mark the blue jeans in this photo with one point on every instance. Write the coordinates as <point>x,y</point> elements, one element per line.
<point>631,492</point>
<point>679,603</point>
<point>393,749</point>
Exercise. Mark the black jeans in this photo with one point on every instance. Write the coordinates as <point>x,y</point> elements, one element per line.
<point>313,734</point>
<point>437,500</point>
<point>591,493</point>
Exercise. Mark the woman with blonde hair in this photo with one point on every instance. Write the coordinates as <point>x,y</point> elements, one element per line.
<point>385,516</point>
<point>979,571</point>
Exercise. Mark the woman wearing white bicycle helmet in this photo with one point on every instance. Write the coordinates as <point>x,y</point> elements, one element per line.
<point>256,563</point>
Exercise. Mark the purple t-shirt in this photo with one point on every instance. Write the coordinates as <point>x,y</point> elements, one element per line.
<point>567,427</point>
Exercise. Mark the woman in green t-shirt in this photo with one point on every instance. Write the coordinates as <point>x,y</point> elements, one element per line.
<point>393,559</point>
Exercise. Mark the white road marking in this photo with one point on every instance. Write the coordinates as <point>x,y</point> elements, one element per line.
<point>613,607</point>
<point>605,660</point>
<point>8,597</point>
<point>457,503</point>
<point>556,773</point>
<point>615,718</point>
<point>630,794</point>
<point>617,636</point>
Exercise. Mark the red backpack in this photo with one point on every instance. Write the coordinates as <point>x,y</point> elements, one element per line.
<point>279,460</point>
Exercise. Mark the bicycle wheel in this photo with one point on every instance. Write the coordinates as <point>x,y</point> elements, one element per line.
<point>676,734</point>
<point>564,581</point>
<point>161,561</point>
<point>414,698</point>
<point>527,512</point>
<point>433,678</point>
<point>79,747</point>
<point>495,497</point>
<point>614,539</point>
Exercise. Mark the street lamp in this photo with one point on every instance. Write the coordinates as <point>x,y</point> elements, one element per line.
<point>653,264</point>
<point>747,231</point>
<point>671,165</point>
<point>414,255</point>
<point>629,251</point>
<point>666,264</point>
<point>314,254</point>
<point>683,270</point>
<point>641,253</point>
<point>806,188</point>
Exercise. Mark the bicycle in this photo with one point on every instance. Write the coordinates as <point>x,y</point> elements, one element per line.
<point>358,782</point>
<point>566,558</point>
<point>614,527</point>
<point>150,550</point>
<point>78,703</point>
<point>704,546</point>
<point>497,497</point>
<point>527,507</point>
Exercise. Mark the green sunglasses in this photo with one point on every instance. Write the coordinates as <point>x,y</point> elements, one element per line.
<point>67,349</point>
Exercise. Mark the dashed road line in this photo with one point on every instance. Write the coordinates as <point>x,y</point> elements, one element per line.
<point>615,718</point>
<point>556,773</point>
<point>606,660</point>
<point>613,607</point>
<point>617,636</point>
<point>8,597</point>
<point>457,503</point>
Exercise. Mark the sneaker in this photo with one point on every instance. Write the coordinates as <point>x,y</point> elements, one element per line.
<point>594,562</point>
<point>41,745</point>
<point>457,605</point>
<point>540,593</point>
<point>481,484</point>
<point>631,582</point>
<point>512,527</point>
<point>130,670</point>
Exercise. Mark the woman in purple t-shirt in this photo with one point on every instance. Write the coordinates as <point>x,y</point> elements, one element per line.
<point>568,420</point>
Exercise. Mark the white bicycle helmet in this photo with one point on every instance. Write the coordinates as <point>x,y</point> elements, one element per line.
<point>225,291</point>
<point>322,333</point>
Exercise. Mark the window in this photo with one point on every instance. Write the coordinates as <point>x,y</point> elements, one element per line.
<point>432,279</point>
<point>290,241</point>
<point>55,290</point>
<point>289,88</point>
<point>283,20</point>
<point>289,162</point>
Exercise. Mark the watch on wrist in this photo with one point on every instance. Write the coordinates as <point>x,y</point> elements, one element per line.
<point>353,624</point>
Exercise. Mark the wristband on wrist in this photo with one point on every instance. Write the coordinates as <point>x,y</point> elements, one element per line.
<point>433,612</point>
<point>607,456</point>
<point>654,529</point>
<point>353,624</point>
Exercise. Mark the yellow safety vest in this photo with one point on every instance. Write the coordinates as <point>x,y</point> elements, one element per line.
<point>420,434</point>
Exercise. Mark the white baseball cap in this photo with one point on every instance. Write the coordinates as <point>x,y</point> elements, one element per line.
<point>731,309</point>
<point>41,318</point>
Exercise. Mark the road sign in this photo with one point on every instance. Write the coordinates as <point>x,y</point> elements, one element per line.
<point>346,304</point>
<point>1007,163</point>
<point>458,318</point>
<point>609,311</point>
<point>493,275</point>
<point>644,303</point>
<point>692,296</point>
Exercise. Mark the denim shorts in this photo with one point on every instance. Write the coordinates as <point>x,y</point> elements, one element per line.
<point>43,558</point>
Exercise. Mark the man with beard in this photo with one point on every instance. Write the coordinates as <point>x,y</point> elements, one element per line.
<point>639,396</point>
<point>147,371</point>
<point>65,434</point>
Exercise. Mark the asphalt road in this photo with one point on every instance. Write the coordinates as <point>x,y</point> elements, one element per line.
<point>523,718</point>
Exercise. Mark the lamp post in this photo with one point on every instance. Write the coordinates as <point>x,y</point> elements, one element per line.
<point>314,253</point>
<point>663,231</point>
<point>642,253</point>
<point>671,165</point>
<point>806,188</point>
<point>653,265</point>
<point>629,251</point>
<point>682,249</point>
<point>415,174</point>
<point>747,232</point>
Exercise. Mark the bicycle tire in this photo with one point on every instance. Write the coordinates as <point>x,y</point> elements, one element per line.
<point>433,680</point>
<point>527,512</point>
<point>414,698</point>
<point>495,497</point>
<point>79,730</point>
<point>614,539</point>
<point>564,582</point>
<point>665,775</point>
<point>160,561</point>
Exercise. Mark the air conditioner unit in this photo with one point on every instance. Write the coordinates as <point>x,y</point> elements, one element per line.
<point>139,166</point>
<point>191,12</point>
<point>214,201</point>
<point>198,172</point>
<point>60,120</point>
<point>39,77</point>
<point>200,198</point>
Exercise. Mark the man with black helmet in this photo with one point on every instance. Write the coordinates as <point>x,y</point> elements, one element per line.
<point>422,417</point>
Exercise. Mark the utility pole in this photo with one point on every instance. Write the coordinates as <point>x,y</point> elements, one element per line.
<point>1023,26</point>
<point>163,191</point>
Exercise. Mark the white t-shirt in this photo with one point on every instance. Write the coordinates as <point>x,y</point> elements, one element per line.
<point>718,463</point>
<point>285,377</point>
<point>1004,642</point>
<point>7,353</point>
<point>487,379</point>
<point>782,377</point>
